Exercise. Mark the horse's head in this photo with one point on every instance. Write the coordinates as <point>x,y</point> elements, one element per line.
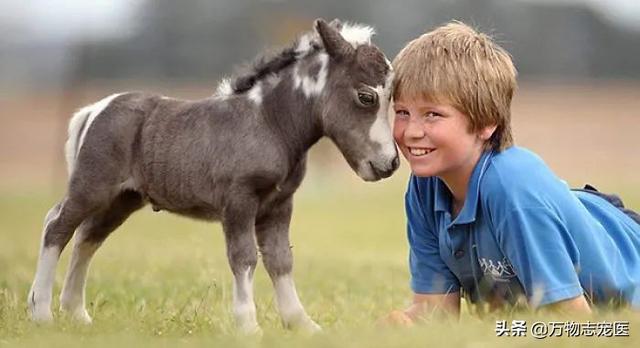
<point>354,103</point>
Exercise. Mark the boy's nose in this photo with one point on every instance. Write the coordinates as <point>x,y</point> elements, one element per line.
<point>414,129</point>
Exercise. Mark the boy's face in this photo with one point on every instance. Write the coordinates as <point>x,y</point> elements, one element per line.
<point>435,138</point>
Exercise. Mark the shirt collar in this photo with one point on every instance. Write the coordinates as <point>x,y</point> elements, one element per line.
<point>468,212</point>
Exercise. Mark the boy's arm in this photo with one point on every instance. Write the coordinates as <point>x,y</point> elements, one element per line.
<point>573,305</point>
<point>541,251</point>
<point>424,306</point>
<point>427,304</point>
<point>434,285</point>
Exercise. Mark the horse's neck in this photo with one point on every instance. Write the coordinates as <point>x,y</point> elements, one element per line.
<point>293,117</point>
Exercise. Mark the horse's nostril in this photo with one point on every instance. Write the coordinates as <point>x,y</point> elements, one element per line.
<point>396,163</point>
<point>385,171</point>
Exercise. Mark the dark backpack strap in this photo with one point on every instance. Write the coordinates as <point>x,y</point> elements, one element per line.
<point>588,187</point>
<point>615,200</point>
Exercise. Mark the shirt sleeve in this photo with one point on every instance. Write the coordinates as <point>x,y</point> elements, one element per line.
<point>429,273</point>
<point>542,254</point>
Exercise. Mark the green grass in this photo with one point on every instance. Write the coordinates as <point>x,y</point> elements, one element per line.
<point>163,280</point>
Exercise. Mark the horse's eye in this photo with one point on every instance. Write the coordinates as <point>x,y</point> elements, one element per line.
<point>367,98</point>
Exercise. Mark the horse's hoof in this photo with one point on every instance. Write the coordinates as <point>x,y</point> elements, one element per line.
<point>251,331</point>
<point>41,315</point>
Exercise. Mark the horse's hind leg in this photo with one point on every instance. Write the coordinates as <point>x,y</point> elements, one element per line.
<point>39,300</point>
<point>90,235</point>
<point>60,223</point>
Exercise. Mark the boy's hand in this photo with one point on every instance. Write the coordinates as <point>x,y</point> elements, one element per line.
<point>396,318</point>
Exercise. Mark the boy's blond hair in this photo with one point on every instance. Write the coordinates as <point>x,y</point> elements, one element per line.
<point>455,64</point>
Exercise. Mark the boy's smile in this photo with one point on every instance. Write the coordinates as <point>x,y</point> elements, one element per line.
<point>418,152</point>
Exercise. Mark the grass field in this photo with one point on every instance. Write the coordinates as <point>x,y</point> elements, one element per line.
<point>162,280</point>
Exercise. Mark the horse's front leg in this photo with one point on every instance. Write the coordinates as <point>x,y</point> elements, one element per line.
<point>272,231</point>
<point>239,230</point>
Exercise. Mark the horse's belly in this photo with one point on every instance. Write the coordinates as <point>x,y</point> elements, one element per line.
<point>200,213</point>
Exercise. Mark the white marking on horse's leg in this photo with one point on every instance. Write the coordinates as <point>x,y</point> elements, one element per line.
<point>39,299</point>
<point>255,94</point>
<point>244,309</point>
<point>40,294</point>
<point>289,306</point>
<point>72,297</point>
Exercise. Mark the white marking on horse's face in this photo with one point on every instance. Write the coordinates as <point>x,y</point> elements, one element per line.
<point>357,34</point>
<point>312,86</point>
<point>244,308</point>
<point>255,94</point>
<point>380,131</point>
<point>224,88</point>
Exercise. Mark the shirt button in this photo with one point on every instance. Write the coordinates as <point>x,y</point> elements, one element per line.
<point>458,254</point>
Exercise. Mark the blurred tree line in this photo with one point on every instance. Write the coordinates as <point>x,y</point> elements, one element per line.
<point>202,40</point>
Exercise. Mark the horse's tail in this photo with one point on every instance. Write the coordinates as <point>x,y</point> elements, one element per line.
<point>78,126</point>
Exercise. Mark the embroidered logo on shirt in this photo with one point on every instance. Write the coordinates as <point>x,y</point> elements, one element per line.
<point>498,270</point>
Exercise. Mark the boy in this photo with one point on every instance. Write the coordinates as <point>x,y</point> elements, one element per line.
<point>488,218</point>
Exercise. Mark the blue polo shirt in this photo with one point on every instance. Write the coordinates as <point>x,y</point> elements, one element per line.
<point>521,231</point>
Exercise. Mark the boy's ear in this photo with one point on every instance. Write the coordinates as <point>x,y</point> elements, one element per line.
<point>487,132</point>
<point>333,42</point>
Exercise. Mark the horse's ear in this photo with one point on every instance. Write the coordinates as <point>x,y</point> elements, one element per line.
<point>333,42</point>
<point>336,23</point>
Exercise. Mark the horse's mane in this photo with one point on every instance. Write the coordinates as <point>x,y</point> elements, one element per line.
<point>271,63</point>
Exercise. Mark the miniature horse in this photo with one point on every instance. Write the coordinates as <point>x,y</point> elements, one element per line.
<point>236,157</point>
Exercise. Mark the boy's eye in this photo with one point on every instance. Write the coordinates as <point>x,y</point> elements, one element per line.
<point>432,114</point>
<point>402,113</point>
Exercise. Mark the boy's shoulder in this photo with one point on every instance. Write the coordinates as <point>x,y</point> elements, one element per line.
<point>517,173</point>
<point>508,172</point>
<point>516,159</point>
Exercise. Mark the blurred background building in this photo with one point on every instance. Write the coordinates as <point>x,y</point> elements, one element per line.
<point>577,59</point>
